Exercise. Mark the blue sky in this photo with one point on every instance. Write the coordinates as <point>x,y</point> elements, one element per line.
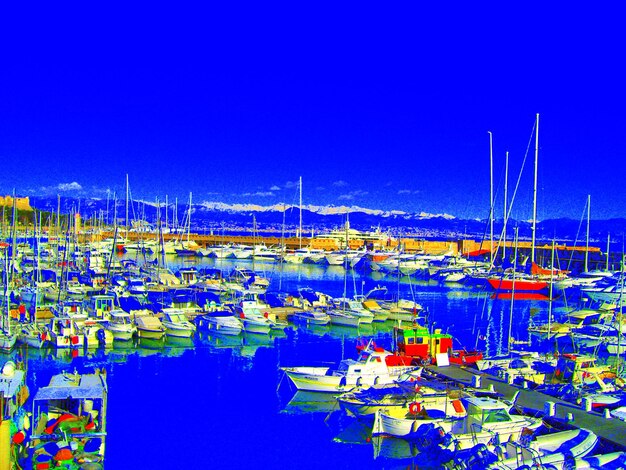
<point>380,107</point>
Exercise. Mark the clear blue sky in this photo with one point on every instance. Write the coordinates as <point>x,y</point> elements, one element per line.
<point>380,107</point>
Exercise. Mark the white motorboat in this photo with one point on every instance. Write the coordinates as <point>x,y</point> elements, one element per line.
<point>121,326</point>
<point>219,322</point>
<point>486,419</point>
<point>254,322</point>
<point>343,318</point>
<point>176,323</point>
<point>371,368</point>
<point>149,327</point>
<point>311,317</point>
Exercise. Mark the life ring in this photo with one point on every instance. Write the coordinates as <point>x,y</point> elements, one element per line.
<point>415,408</point>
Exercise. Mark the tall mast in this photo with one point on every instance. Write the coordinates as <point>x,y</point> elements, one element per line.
<point>490,196</point>
<point>532,252</point>
<point>300,230</point>
<point>127,190</point>
<point>189,220</point>
<point>114,211</point>
<point>551,290</point>
<point>506,203</point>
<point>58,218</point>
<point>587,246</point>
<point>167,225</point>
<point>512,294</point>
<point>608,244</point>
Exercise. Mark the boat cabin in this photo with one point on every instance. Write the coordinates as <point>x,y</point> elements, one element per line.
<point>101,305</point>
<point>188,275</point>
<point>481,412</point>
<point>418,341</point>
<point>578,369</point>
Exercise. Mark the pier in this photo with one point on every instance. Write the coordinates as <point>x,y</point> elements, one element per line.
<point>533,402</point>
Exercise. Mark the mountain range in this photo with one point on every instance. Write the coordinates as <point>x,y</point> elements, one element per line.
<point>218,216</point>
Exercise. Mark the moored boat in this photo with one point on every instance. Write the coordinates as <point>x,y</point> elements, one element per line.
<point>176,323</point>
<point>222,322</point>
<point>371,368</point>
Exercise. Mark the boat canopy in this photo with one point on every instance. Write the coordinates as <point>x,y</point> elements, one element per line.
<point>64,386</point>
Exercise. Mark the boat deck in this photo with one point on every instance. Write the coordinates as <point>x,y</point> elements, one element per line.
<point>611,430</point>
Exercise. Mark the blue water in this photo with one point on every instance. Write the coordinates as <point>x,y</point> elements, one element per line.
<point>223,402</point>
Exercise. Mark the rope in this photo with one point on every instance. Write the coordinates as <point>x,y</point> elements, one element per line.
<point>519,177</point>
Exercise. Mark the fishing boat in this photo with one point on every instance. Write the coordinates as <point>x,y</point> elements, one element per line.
<point>63,332</point>
<point>437,410</point>
<point>222,322</point>
<point>34,335</point>
<point>69,422</point>
<point>96,334</point>
<point>371,368</point>
<point>176,323</point>
<point>406,397</point>
<point>422,344</point>
<point>13,393</point>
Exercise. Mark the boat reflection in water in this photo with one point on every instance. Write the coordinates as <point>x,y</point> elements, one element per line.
<point>310,402</point>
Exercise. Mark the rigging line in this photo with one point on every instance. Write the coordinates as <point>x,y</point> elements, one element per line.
<point>491,209</point>
<point>580,224</point>
<point>519,178</point>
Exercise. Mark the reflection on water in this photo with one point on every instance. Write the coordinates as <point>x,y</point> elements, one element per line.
<point>311,402</point>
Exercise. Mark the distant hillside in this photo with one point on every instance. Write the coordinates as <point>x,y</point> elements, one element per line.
<point>215,216</point>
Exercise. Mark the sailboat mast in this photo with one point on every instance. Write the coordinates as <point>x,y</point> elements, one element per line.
<point>189,221</point>
<point>512,294</point>
<point>300,230</point>
<point>127,190</point>
<point>532,252</point>
<point>167,220</point>
<point>506,203</point>
<point>551,290</point>
<point>587,246</point>
<point>608,244</point>
<point>490,196</point>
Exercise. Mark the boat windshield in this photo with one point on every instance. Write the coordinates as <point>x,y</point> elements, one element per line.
<point>496,416</point>
<point>177,317</point>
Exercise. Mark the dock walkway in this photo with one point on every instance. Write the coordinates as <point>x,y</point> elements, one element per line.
<point>611,430</point>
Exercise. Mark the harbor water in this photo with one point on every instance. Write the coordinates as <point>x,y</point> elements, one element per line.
<point>223,402</point>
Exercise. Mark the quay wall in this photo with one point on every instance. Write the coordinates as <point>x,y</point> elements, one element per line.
<point>432,247</point>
